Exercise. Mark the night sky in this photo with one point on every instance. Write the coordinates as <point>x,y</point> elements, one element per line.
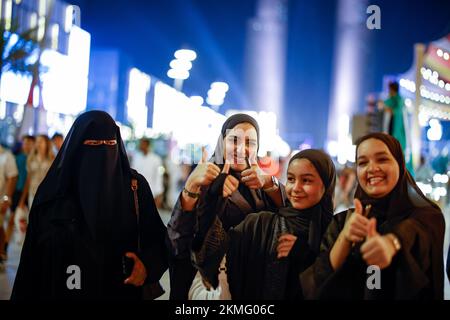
<point>150,31</point>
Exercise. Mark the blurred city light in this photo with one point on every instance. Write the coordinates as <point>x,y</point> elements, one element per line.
<point>178,74</point>
<point>180,64</point>
<point>139,85</point>
<point>435,131</point>
<point>186,54</point>
<point>220,86</point>
<point>217,93</point>
<point>197,100</point>
<point>69,19</point>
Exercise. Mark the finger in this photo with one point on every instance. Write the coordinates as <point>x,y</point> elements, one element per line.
<point>287,237</point>
<point>213,168</point>
<point>372,228</point>
<point>283,253</point>
<point>253,186</point>
<point>284,246</point>
<point>361,220</point>
<point>233,181</point>
<point>247,172</point>
<point>213,171</point>
<point>354,238</point>
<point>226,192</point>
<point>132,256</point>
<point>226,168</point>
<point>358,206</point>
<point>230,186</point>
<point>369,245</point>
<point>204,155</point>
<point>358,233</point>
<point>371,254</point>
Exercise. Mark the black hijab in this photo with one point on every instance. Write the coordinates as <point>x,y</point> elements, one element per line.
<point>98,176</point>
<point>230,123</point>
<point>320,215</point>
<point>219,159</point>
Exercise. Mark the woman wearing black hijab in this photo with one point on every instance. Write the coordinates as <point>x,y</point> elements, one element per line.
<point>394,227</point>
<point>267,251</point>
<point>84,220</point>
<point>208,193</point>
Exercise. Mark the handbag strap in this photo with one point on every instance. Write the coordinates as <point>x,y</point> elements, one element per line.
<point>134,187</point>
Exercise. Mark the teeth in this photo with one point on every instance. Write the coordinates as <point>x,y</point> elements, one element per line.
<point>376,180</point>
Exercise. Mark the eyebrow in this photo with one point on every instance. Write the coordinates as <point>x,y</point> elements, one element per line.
<point>302,175</point>
<point>382,153</point>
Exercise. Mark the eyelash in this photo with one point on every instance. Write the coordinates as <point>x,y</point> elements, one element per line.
<point>379,160</point>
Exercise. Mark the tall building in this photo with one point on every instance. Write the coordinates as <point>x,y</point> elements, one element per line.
<point>266,57</point>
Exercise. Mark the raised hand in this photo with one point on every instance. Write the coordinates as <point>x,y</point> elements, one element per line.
<point>254,177</point>
<point>377,250</point>
<point>203,175</point>
<point>231,184</point>
<point>355,229</point>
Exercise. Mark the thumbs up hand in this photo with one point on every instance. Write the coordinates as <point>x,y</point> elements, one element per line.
<point>230,184</point>
<point>203,175</point>
<point>377,249</point>
<point>355,229</point>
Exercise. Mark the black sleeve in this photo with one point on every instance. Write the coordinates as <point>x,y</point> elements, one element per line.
<point>315,276</point>
<point>153,250</point>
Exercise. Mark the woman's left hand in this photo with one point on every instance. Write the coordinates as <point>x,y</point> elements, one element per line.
<point>377,249</point>
<point>139,274</point>
<point>286,242</point>
<point>254,178</point>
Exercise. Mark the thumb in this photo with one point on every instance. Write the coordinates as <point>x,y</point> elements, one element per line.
<point>226,168</point>
<point>204,155</point>
<point>372,228</point>
<point>358,206</point>
<point>131,255</point>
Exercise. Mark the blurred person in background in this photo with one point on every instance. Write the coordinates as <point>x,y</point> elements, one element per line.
<point>25,148</point>
<point>57,140</point>
<point>150,165</point>
<point>345,188</point>
<point>38,164</point>
<point>8,179</point>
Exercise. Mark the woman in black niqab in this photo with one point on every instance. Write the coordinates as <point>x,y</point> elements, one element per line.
<point>84,215</point>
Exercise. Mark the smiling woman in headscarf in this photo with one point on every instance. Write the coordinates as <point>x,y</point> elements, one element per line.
<point>267,251</point>
<point>394,227</point>
<point>84,220</point>
<point>231,191</point>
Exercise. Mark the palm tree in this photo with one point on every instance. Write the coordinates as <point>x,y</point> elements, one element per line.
<point>16,49</point>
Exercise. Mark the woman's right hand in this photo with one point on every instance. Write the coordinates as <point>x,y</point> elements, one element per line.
<point>203,175</point>
<point>355,229</point>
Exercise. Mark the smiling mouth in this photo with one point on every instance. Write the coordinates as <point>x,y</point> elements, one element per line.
<point>374,181</point>
<point>298,198</point>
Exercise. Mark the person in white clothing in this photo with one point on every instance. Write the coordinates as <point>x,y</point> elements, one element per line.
<point>150,166</point>
<point>8,179</point>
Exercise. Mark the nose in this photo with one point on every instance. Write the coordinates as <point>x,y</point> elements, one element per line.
<point>298,188</point>
<point>372,167</point>
<point>240,149</point>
